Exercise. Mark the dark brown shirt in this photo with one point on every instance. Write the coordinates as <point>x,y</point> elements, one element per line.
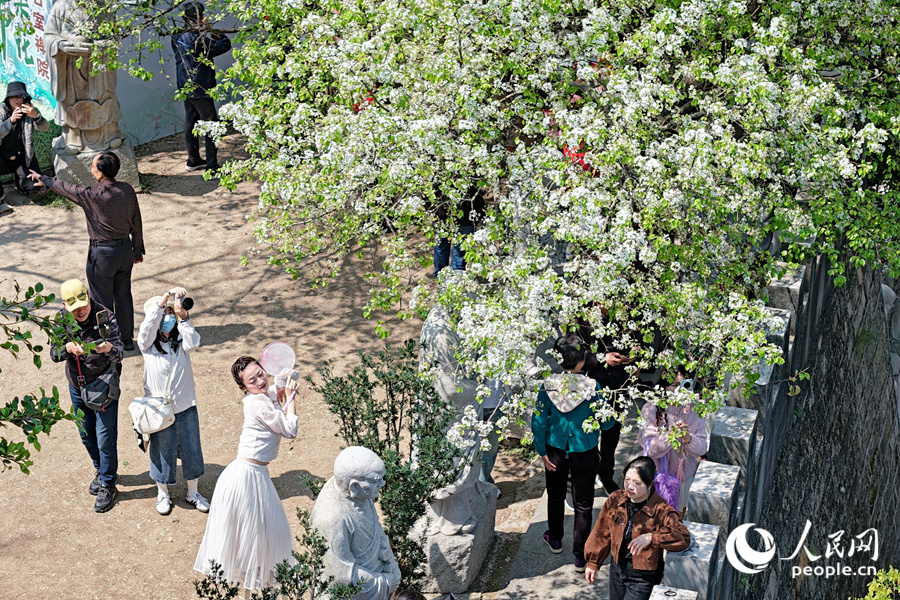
<point>110,207</point>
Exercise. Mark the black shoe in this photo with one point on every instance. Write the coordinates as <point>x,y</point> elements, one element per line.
<point>197,167</point>
<point>95,485</point>
<point>128,345</point>
<point>106,497</point>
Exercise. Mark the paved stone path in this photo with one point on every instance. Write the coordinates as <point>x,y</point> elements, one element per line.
<point>535,572</point>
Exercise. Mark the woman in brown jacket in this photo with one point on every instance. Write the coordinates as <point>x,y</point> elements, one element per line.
<point>635,526</point>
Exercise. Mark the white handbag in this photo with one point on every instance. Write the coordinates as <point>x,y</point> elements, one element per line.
<point>150,414</point>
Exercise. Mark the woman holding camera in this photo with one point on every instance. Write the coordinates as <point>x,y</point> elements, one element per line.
<point>18,121</point>
<point>166,339</point>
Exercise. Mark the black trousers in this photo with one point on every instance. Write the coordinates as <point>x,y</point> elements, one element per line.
<point>628,583</point>
<point>17,164</point>
<point>583,468</point>
<point>609,441</point>
<point>109,279</point>
<point>199,109</point>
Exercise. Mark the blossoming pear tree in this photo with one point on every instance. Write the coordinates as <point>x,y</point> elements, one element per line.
<point>651,164</point>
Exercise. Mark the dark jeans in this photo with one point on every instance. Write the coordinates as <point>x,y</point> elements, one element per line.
<point>583,468</point>
<point>199,109</point>
<point>99,436</point>
<point>628,583</point>
<point>17,164</point>
<point>455,257</point>
<point>109,279</point>
<point>609,441</point>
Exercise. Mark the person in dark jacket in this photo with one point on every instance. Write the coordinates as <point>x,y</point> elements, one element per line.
<point>99,430</point>
<point>564,402</point>
<point>194,50</point>
<point>634,526</point>
<point>18,121</point>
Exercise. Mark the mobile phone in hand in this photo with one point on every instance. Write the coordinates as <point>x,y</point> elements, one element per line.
<point>103,326</point>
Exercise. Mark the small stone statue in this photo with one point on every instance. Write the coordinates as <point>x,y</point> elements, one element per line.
<point>87,108</point>
<point>345,515</point>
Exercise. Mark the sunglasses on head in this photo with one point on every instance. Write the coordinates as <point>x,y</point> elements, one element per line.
<point>80,297</point>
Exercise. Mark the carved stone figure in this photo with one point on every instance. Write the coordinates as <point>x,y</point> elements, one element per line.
<point>87,108</point>
<point>345,515</point>
<point>458,507</point>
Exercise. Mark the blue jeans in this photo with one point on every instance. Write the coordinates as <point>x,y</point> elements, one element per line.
<point>180,438</point>
<point>99,434</point>
<point>455,257</point>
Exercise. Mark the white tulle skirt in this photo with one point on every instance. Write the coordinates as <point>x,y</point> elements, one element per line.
<point>247,532</point>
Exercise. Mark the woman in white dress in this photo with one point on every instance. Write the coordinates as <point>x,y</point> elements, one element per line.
<point>247,532</point>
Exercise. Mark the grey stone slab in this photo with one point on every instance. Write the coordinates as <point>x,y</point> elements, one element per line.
<point>713,494</point>
<point>455,560</point>
<point>76,168</point>
<point>563,583</point>
<point>733,432</point>
<point>788,291</point>
<point>778,330</point>
<point>694,568</point>
<point>661,592</point>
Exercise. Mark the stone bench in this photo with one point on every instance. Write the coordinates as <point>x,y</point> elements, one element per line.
<point>695,568</point>
<point>713,495</point>
<point>733,435</point>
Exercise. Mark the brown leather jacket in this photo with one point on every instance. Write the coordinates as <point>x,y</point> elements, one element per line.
<point>656,518</point>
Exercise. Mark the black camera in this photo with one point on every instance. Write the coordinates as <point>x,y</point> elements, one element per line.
<point>187,303</point>
<point>26,99</point>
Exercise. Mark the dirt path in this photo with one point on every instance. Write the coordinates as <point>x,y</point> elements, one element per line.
<point>52,544</point>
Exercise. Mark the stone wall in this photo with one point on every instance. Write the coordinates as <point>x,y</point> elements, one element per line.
<point>837,463</point>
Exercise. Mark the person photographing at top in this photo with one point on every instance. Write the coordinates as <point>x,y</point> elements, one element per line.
<point>194,49</point>
<point>19,119</point>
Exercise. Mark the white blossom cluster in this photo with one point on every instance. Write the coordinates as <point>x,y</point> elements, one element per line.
<point>639,158</point>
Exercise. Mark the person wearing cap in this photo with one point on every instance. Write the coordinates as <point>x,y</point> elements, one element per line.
<point>166,338</point>
<point>18,121</point>
<point>194,50</point>
<point>99,430</point>
<point>116,236</point>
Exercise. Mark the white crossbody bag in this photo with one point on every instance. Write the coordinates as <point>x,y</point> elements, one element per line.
<point>150,414</point>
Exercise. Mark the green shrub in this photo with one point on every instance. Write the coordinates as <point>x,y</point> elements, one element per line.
<point>885,586</point>
<point>383,413</point>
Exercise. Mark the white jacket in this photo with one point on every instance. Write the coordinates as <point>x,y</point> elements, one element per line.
<point>158,366</point>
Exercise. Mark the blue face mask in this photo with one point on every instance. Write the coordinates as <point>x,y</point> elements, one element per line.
<point>168,324</point>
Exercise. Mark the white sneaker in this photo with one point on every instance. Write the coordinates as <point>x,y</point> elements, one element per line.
<point>163,505</point>
<point>199,501</point>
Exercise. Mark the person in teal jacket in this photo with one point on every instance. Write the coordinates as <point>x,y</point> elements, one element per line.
<point>564,403</point>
